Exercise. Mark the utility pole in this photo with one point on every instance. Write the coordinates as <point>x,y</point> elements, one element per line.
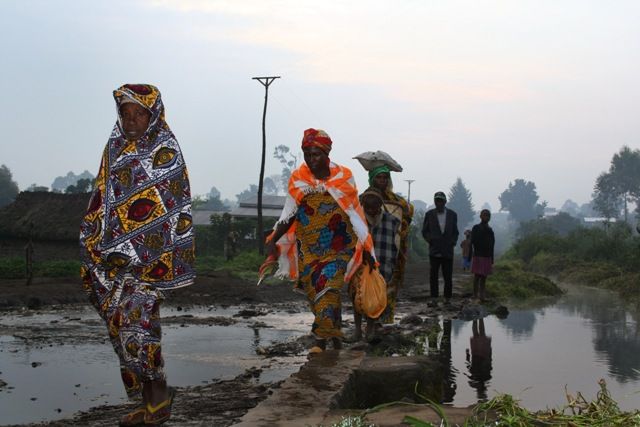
<point>266,82</point>
<point>409,181</point>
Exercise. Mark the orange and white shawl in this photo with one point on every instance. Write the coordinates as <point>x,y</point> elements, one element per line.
<point>342,187</point>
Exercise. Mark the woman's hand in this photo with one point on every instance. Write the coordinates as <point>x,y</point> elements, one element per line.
<point>367,259</point>
<point>271,249</point>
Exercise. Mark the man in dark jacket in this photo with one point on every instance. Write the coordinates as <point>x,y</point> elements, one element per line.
<point>440,230</point>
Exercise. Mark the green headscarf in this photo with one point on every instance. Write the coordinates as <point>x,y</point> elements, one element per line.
<point>377,171</point>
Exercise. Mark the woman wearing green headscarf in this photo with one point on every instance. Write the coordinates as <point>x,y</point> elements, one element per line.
<point>380,178</point>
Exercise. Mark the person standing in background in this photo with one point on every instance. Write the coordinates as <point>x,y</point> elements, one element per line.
<point>482,246</point>
<point>440,230</point>
<point>465,246</point>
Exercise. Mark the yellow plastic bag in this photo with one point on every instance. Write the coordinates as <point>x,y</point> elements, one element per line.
<point>370,292</point>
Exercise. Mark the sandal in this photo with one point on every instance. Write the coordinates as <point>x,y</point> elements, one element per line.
<point>315,350</point>
<point>133,418</point>
<point>156,415</point>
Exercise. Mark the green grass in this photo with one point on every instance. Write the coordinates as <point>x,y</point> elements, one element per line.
<point>245,265</point>
<point>12,268</point>
<point>353,421</point>
<point>15,268</point>
<point>505,411</point>
<point>593,257</point>
<point>511,281</point>
<point>57,269</point>
<point>591,273</point>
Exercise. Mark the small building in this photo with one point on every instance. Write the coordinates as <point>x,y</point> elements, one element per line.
<point>248,208</point>
<point>597,222</point>
<point>203,217</point>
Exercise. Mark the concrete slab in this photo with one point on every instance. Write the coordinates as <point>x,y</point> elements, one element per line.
<point>306,396</point>
<point>335,384</point>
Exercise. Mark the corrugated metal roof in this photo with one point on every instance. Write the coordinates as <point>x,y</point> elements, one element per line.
<point>268,201</point>
<point>203,217</point>
<point>253,212</point>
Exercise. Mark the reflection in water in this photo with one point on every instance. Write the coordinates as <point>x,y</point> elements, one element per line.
<point>444,357</point>
<point>479,359</point>
<point>616,332</point>
<point>520,324</point>
<point>536,354</point>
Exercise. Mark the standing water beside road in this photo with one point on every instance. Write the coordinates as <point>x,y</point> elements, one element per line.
<point>585,335</point>
<point>54,364</point>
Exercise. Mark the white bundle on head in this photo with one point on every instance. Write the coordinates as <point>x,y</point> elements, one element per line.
<point>373,159</point>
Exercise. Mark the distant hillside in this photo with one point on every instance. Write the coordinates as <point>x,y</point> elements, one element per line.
<point>54,216</point>
<point>62,182</point>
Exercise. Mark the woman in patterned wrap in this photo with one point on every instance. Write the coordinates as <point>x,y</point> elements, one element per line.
<point>380,178</point>
<point>136,242</point>
<point>321,237</point>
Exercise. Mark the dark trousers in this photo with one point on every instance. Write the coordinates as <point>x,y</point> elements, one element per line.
<point>447,272</point>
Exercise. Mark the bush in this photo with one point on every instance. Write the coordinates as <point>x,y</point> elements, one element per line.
<point>528,247</point>
<point>546,263</point>
<point>627,284</point>
<point>586,256</point>
<point>245,265</point>
<point>590,274</point>
<point>15,268</point>
<point>560,224</point>
<point>615,246</point>
<point>57,269</point>
<point>208,264</point>
<point>12,268</point>
<point>510,281</point>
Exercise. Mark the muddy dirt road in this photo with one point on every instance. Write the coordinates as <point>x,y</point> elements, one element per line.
<point>221,402</point>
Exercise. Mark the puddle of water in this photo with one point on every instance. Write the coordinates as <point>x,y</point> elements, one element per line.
<point>583,337</point>
<point>79,376</point>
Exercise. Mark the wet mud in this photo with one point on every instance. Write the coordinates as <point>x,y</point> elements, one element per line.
<point>223,403</point>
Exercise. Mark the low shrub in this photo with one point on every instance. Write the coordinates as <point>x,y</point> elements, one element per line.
<point>12,268</point>
<point>15,268</point>
<point>61,268</point>
<point>510,281</point>
<point>588,273</point>
<point>245,265</point>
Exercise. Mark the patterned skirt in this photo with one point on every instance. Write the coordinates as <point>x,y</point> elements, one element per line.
<point>131,311</point>
<point>326,243</point>
<point>482,265</point>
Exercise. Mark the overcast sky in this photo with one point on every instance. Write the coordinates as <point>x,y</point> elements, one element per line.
<point>488,91</point>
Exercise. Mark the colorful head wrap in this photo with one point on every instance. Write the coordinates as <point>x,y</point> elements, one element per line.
<point>317,138</point>
<point>148,97</point>
<point>376,171</point>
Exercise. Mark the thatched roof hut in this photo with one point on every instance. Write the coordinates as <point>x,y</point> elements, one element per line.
<point>54,216</point>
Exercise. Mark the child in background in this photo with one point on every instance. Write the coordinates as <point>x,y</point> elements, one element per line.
<point>466,250</point>
<point>384,228</point>
<point>482,245</point>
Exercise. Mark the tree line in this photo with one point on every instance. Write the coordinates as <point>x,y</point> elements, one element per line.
<point>614,193</point>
